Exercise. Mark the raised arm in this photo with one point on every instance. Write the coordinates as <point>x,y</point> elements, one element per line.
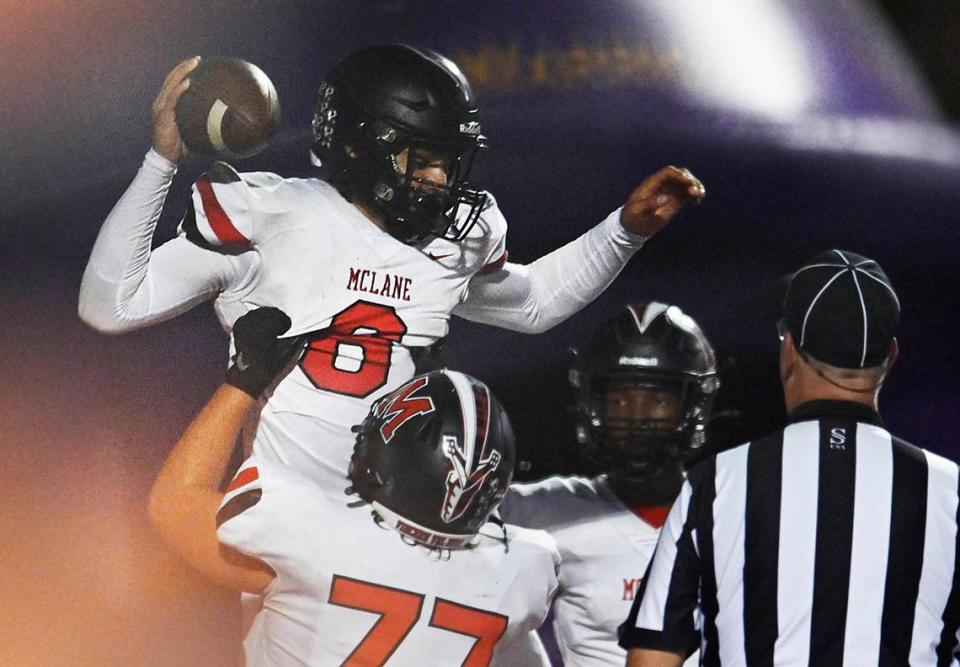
<point>125,285</point>
<point>186,495</point>
<point>533,298</point>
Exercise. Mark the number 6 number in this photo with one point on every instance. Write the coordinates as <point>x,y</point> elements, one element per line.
<point>369,328</point>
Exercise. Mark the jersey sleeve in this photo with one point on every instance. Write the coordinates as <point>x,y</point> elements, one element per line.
<point>260,512</point>
<point>539,558</point>
<point>536,297</point>
<point>127,285</point>
<point>535,505</point>
<point>228,211</point>
<point>663,615</point>
<point>495,226</point>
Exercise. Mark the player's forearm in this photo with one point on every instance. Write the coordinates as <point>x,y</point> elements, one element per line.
<point>536,297</point>
<point>186,494</point>
<point>118,262</point>
<point>188,485</point>
<point>123,245</point>
<point>650,658</point>
<point>201,455</point>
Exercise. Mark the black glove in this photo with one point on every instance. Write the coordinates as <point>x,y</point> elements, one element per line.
<point>261,354</point>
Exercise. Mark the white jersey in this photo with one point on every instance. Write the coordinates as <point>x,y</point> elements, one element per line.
<point>346,587</point>
<point>604,549</point>
<point>261,240</point>
<point>365,297</point>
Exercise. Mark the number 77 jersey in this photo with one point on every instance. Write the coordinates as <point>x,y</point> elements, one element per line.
<point>349,591</point>
<point>365,298</point>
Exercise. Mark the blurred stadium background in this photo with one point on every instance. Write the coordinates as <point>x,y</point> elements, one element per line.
<point>828,123</point>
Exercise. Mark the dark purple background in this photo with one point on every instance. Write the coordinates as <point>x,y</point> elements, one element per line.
<point>864,163</point>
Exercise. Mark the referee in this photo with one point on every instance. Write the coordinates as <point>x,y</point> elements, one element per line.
<point>828,543</point>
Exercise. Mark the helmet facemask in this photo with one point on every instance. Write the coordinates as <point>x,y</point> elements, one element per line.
<point>641,440</point>
<point>647,349</point>
<point>413,207</point>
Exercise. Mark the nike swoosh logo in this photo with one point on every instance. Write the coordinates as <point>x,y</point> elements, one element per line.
<point>437,258</point>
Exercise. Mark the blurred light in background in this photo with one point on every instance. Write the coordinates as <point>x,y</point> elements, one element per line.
<point>881,137</point>
<point>745,54</point>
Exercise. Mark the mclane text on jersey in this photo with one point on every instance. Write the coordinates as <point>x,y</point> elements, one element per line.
<point>381,284</point>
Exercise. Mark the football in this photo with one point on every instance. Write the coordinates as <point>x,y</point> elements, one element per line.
<point>229,111</point>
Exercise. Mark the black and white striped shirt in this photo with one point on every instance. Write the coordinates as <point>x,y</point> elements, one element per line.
<point>828,543</point>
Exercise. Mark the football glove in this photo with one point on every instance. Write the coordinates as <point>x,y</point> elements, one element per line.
<point>261,353</point>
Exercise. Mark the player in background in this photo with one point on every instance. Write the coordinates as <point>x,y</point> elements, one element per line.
<point>403,565</point>
<point>644,385</point>
<point>370,259</point>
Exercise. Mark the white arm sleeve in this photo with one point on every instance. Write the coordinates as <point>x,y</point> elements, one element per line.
<point>125,285</point>
<point>533,298</point>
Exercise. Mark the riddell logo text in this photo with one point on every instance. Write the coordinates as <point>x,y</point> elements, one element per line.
<point>369,281</point>
<point>630,587</point>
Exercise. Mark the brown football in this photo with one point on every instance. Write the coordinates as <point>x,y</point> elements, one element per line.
<point>229,111</point>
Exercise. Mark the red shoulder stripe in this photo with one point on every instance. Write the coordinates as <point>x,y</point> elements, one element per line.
<point>219,220</point>
<point>496,264</point>
<point>243,477</point>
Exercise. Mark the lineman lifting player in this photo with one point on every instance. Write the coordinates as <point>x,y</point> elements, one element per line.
<point>393,199</point>
<point>406,569</point>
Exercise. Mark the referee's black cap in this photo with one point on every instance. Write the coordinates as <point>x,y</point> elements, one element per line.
<point>841,309</point>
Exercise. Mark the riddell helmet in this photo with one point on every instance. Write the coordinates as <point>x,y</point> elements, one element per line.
<point>434,459</point>
<point>649,346</point>
<point>380,100</point>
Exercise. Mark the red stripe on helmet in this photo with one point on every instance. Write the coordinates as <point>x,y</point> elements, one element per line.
<point>482,398</point>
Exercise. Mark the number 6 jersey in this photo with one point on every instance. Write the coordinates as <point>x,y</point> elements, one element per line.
<point>364,297</point>
<point>257,239</point>
<point>350,591</point>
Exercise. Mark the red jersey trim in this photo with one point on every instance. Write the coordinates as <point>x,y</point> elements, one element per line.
<point>243,477</point>
<point>655,516</point>
<point>496,264</point>
<point>219,221</point>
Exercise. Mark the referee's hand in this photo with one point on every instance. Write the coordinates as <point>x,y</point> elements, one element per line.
<point>644,657</point>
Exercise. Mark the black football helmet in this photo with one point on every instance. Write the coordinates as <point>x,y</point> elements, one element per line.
<point>649,346</point>
<point>382,99</point>
<point>434,458</point>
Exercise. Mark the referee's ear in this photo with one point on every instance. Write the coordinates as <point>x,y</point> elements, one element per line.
<point>788,358</point>
<point>894,354</point>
